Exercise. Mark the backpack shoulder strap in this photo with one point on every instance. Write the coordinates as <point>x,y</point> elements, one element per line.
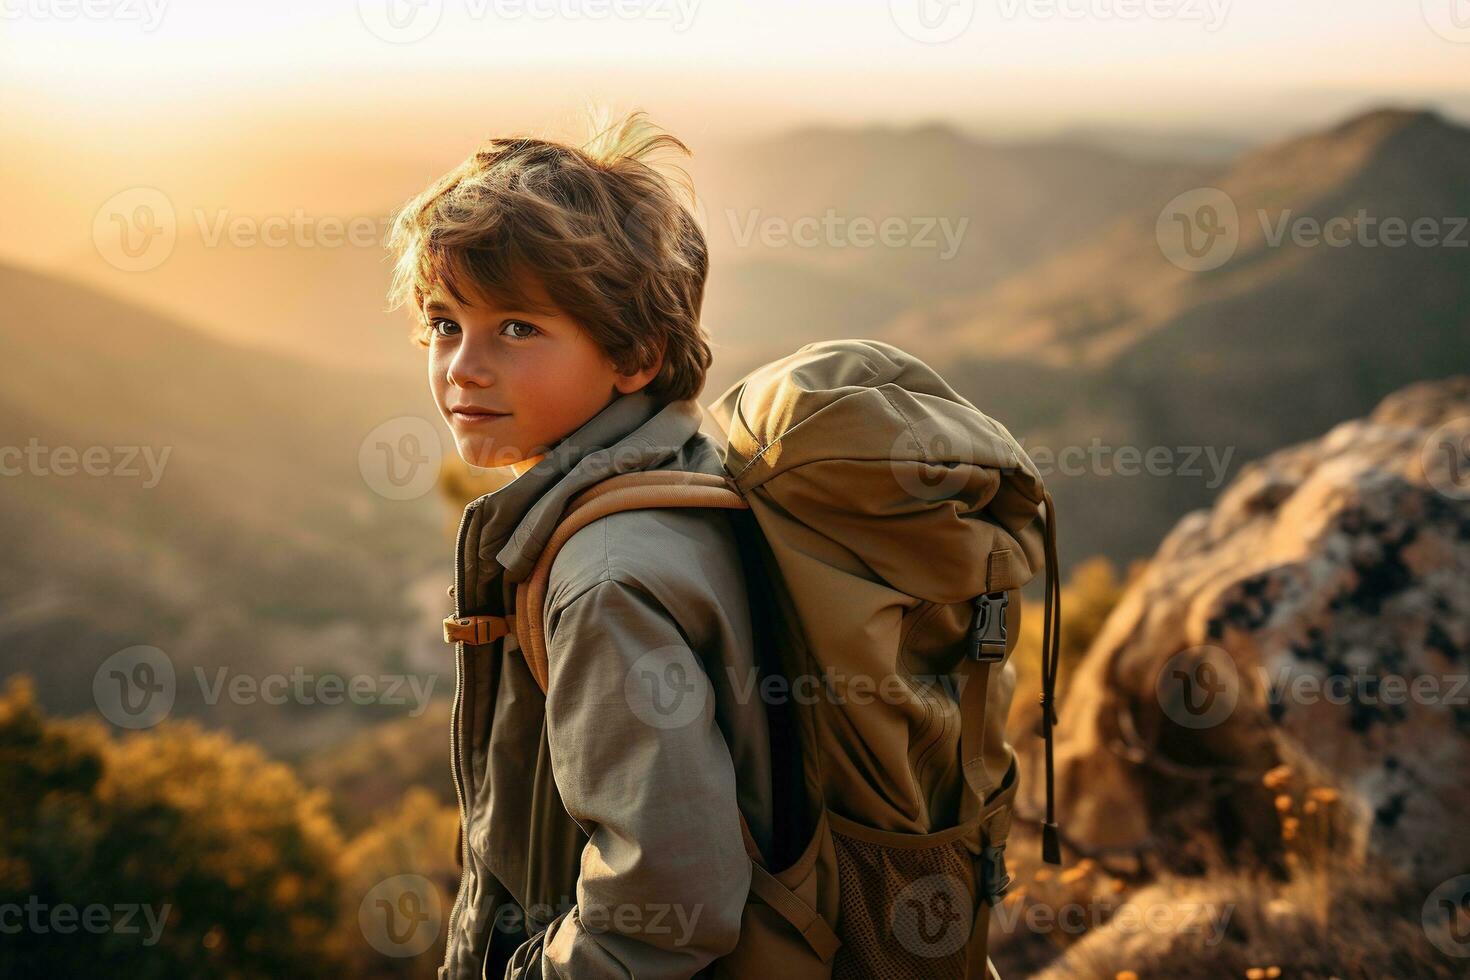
<point>643,490</point>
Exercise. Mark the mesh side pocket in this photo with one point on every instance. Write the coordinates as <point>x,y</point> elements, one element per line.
<point>906,911</point>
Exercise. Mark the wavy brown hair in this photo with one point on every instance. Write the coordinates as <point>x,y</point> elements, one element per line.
<point>604,233</point>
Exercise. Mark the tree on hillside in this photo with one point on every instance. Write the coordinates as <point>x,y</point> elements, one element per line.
<point>170,853</point>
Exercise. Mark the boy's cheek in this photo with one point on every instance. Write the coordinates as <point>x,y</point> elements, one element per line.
<point>438,385</point>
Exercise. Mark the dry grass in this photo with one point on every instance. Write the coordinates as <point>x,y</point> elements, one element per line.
<point>1329,915</point>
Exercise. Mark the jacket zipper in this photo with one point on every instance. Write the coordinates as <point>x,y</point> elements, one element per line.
<point>454,732</point>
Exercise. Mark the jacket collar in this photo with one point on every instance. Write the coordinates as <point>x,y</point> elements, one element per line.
<point>634,432</point>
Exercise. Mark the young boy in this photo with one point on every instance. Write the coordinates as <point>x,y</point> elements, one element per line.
<point>559,291</point>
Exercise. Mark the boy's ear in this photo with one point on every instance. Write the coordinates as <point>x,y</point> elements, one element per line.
<point>628,383</point>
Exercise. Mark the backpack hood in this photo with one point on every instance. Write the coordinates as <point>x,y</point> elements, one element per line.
<point>858,437</point>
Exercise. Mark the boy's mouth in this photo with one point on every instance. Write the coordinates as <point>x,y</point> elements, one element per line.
<point>474,413</point>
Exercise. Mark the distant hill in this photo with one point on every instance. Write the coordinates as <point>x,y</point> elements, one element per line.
<point>1161,144</point>
<point>317,293</point>
<point>1013,202</point>
<point>1109,339</point>
<point>261,547</point>
<point>970,213</point>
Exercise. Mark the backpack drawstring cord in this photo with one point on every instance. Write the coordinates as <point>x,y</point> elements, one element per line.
<point>1051,643</point>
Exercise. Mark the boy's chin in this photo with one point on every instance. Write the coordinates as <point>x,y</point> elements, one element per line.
<point>487,454</point>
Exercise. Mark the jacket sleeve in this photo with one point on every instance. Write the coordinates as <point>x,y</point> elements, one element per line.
<point>641,764</point>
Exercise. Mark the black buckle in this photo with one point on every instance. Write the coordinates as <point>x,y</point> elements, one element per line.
<point>994,881</point>
<point>988,627</point>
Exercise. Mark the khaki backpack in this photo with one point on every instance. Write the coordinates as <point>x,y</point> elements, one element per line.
<point>887,527</point>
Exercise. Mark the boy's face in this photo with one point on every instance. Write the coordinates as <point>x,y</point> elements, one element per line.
<point>512,383</point>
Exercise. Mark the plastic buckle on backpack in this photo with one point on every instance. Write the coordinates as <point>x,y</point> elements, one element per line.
<point>988,627</point>
<point>994,880</point>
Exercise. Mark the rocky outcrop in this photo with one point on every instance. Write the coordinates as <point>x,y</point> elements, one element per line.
<point>1315,621</point>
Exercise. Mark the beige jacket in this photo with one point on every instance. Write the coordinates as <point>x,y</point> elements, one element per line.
<point>601,837</point>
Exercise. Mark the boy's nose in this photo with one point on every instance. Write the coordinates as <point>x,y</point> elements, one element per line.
<point>470,369</point>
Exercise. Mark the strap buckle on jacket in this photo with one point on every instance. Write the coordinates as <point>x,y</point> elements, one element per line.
<point>477,629</point>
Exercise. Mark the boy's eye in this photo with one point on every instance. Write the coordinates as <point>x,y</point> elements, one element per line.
<point>515,329</point>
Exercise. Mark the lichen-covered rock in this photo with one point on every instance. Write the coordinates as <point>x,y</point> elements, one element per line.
<point>1318,615</point>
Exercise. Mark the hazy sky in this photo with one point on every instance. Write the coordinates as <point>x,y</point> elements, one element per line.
<point>348,107</point>
<point>746,64</point>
